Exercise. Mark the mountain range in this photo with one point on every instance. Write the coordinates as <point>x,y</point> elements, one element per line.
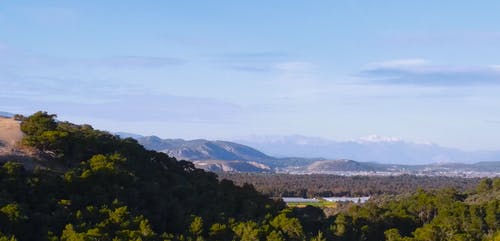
<point>213,156</point>
<point>234,157</point>
<point>201,149</point>
<point>6,114</point>
<point>368,149</point>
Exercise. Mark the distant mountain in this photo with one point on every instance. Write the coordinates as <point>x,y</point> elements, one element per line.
<point>128,135</point>
<point>339,166</point>
<point>211,155</point>
<point>343,167</point>
<point>232,166</point>
<point>6,114</point>
<point>203,149</point>
<point>368,149</point>
<point>375,155</point>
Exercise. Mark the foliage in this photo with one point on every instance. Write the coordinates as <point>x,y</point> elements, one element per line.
<point>114,189</point>
<point>325,185</point>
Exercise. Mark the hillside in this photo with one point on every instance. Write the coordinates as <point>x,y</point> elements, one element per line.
<point>350,167</point>
<point>215,156</point>
<point>203,149</point>
<point>232,166</point>
<point>339,166</point>
<point>219,156</point>
<point>10,144</point>
<point>10,133</point>
<point>113,189</point>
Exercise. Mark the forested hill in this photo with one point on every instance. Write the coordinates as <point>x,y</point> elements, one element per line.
<point>108,188</point>
<point>114,188</point>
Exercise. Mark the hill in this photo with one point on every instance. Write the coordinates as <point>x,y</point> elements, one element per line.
<point>339,166</point>
<point>113,189</point>
<point>203,149</point>
<point>6,114</point>
<point>350,167</point>
<point>232,166</point>
<point>219,156</point>
<point>211,155</point>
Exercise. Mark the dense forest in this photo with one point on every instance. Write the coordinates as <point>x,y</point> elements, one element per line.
<point>324,185</point>
<point>95,186</point>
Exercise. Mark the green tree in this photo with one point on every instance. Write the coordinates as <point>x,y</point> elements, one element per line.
<point>38,123</point>
<point>392,235</point>
<point>485,185</point>
<point>247,231</point>
<point>318,237</point>
<point>290,226</point>
<point>196,228</point>
<point>496,184</point>
<point>275,236</point>
<point>4,237</point>
<point>220,232</point>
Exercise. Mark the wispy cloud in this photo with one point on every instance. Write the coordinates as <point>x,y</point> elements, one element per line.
<point>139,107</point>
<point>49,88</point>
<point>251,68</point>
<point>280,67</point>
<point>139,61</point>
<point>249,56</point>
<point>424,72</point>
<point>19,58</point>
<point>252,62</point>
<point>496,122</point>
<point>445,38</point>
<point>400,63</point>
<point>294,66</point>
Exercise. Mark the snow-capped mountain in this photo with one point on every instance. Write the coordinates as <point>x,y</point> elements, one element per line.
<point>366,149</point>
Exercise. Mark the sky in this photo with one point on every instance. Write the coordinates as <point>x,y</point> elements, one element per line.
<point>422,71</point>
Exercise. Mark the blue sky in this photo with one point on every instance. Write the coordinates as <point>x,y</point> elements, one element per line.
<point>422,71</point>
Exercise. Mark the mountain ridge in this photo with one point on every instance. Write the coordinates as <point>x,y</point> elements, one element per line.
<point>234,157</point>
<point>369,149</point>
<point>201,149</point>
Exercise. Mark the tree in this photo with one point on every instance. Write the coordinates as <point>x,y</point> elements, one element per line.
<point>275,236</point>
<point>318,237</point>
<point>38,123</point>
<point>196,227</point>
<point>485,185</point>
<point>496,184</point>
<point>392,235</point>
<point>247,231</point>
<point>290,226</point>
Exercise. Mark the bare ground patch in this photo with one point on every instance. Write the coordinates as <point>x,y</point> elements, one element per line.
<point>10,144</point>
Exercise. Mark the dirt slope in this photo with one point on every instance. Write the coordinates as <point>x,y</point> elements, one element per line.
<point>10,135</point>
<point>10,148</point>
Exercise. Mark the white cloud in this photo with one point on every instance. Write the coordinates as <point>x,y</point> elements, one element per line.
<point>424,72</point>
<point>400,63</point>
<point>295,66</point>
<point>495,67</point>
